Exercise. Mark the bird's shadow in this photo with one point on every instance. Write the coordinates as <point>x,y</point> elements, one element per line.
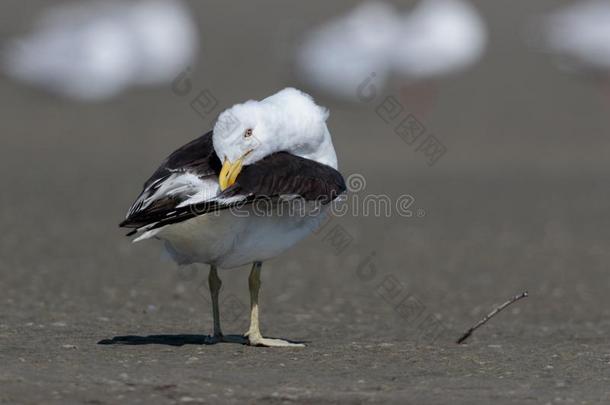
<point>176,340</point>
<point>171,340</point>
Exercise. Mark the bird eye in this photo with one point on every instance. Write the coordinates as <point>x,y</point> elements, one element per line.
<point>248,133</point>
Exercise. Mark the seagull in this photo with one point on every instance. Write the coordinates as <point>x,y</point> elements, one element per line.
<point>577,34</point>
<point>92,51</point>
<point>337,56</point>
<point>436,38</point>
<point>221,199</point>
<point>439,38</point>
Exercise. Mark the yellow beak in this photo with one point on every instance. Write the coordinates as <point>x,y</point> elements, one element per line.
<point>229,173</point>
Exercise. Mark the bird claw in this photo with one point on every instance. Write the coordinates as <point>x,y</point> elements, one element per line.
<point>269,342</point>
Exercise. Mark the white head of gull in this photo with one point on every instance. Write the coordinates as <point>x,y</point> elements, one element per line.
<point>289,121</point>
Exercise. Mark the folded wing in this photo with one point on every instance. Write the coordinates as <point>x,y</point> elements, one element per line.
<point>186,185</point>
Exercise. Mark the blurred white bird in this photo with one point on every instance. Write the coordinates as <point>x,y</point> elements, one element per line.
<point>579,34</point>
<point>93,51</point>
<point>338,56</point>
<point>438,37</point>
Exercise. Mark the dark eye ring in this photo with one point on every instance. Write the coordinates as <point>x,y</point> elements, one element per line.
<point>248,133</point>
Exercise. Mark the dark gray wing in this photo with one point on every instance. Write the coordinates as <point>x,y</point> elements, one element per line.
<point>174,182</point>
<point>186,185</point>
<point>284,174</point>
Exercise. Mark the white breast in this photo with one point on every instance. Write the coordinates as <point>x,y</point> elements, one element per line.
<point>228,239</point>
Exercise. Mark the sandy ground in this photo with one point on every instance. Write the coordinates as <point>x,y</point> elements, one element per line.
<point>518,202</point>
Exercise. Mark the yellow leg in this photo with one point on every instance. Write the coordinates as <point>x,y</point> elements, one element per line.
<point>254,334</point>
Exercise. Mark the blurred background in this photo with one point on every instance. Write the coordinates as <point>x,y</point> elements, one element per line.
<point>504,151</point>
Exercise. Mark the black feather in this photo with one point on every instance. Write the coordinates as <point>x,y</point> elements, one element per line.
<point>275,176</point>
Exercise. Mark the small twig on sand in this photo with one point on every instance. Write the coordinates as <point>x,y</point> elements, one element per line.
<point>490,315</point>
